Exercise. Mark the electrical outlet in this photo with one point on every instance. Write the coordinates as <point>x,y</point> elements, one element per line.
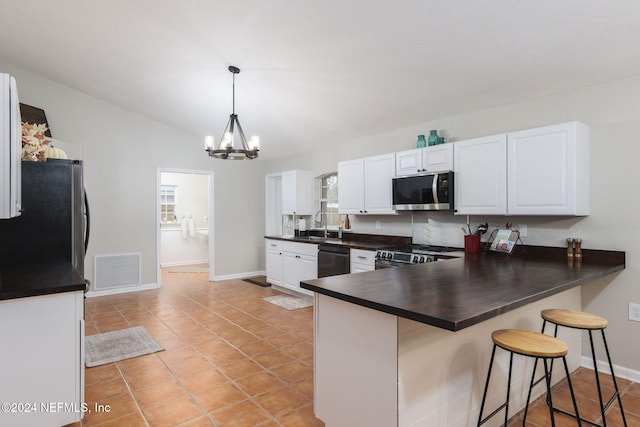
<point>634,312</point>
<point>377,225</point>
<point>522,228</point>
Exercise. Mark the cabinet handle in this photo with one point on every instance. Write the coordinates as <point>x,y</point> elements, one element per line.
<point>362,257</point>
<point>273,245</point>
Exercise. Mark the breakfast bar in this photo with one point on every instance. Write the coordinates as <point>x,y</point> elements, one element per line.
<point>410,346</point>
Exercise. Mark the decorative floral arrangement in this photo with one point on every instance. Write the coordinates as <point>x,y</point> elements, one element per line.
<point>35,145</point>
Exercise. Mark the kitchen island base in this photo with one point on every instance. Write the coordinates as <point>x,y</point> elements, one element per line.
<point>377,369</point>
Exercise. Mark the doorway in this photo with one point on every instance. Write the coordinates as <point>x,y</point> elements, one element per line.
<point>185,226</point>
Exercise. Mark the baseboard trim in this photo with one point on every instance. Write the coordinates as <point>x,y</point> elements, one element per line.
<point>238,275</point>
<point>181,263</point>
<point>621,371</point>
<point>123,290</point>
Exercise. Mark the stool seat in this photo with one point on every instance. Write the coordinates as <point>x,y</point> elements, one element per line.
<point>529,343</point>
<point>574,319</point>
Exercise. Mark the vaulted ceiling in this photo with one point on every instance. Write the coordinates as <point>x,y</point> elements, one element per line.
<point>316,72</point>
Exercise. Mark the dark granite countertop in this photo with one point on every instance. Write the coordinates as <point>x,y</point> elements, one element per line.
<point>30,280</point>
<point>458,293</point>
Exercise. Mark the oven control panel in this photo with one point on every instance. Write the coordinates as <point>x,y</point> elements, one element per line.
<point>403,257</point>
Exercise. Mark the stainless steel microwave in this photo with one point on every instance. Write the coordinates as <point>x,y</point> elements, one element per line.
<point>425,192</point>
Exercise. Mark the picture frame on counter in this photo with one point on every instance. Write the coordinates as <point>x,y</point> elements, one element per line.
<point>504,240</point>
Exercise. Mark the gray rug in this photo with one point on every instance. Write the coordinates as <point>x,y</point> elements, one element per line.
<point>118,345</point>
<point>288,302</point>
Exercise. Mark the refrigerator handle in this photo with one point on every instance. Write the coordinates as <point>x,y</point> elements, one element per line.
<point>88,222</point>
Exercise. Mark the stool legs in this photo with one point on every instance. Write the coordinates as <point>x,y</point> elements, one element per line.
<point>505,405</point>
<point>603,407</point>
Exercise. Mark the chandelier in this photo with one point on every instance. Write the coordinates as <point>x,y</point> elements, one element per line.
<point>227,149</point>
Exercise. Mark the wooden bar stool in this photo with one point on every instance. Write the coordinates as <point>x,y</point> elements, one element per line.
<point>589,322</point>
<point>530,344</point>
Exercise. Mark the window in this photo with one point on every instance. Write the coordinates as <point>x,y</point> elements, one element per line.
<point>329,199</point>
<point>168,203</point>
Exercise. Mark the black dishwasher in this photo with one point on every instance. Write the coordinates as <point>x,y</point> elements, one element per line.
<point>333,260</point>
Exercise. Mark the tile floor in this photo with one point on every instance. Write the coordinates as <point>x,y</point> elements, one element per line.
<point>232,359</point>
<point>587,399</point>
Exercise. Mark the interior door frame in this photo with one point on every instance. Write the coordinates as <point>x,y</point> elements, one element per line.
<point>211,235</point>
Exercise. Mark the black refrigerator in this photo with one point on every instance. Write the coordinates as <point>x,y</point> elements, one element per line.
<point>53,228</point>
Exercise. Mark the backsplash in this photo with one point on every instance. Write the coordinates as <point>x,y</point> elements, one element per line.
<point>444,228</point>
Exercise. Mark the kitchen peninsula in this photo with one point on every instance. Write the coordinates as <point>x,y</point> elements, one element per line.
<point>410,346</point>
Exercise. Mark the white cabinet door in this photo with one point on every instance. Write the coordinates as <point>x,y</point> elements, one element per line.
<point>43,357</point>
<point>290,273</point>
<point>548,170</point>
<point>351,186</point>
<point>274,262</point>
<point>438,158</point>
<point>297,192</point>
<point>378,175</point>
<point>480,167</point>
<point>307,270</point>
<point>300,262</point>
<point>409,162</point>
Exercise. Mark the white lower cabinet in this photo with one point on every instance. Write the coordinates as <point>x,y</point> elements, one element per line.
<point>274,261</point>
<point>362,260</point>
<point>42,359</point>
<point>300,262</point>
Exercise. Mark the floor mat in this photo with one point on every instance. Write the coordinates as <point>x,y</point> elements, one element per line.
<point>288,302</point>
<point>119,345</point>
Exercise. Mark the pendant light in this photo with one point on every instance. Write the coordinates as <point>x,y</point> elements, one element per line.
<point>227,149</point>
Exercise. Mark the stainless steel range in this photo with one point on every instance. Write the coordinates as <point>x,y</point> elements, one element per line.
<point>411,254</point>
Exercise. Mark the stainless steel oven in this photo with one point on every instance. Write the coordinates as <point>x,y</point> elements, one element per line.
<point>411,254</point>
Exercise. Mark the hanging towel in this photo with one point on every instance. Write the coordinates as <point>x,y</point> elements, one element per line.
<point>183,226</point>
<point>192,227</point>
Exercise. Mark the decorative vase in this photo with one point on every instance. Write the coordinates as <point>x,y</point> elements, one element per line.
<point>433,137</point>
<point>421,142</point>
<point>440,140</point>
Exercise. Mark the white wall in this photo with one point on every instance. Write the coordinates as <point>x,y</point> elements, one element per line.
<point>613,112</point>
<point>122,152</point>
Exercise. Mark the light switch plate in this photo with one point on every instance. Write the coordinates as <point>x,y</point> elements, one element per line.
<point>634,312</point>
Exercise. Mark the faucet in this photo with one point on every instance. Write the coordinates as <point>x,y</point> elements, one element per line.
<point>315,218</point>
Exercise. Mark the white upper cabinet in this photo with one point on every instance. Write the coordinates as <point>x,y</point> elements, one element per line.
<point>548,170</point>
<point>297,192</point>
<point>364,185</point>
<point>436,158</point>
<point>480,167</point>
<point>542,171</point>
<point>351,186</point>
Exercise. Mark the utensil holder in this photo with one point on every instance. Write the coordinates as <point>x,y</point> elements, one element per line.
<point>471,243</point>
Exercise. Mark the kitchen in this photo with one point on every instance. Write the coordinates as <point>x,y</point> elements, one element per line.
<point>123,149</point>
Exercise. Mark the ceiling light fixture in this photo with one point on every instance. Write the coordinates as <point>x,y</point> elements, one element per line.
<point>227,150</point>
